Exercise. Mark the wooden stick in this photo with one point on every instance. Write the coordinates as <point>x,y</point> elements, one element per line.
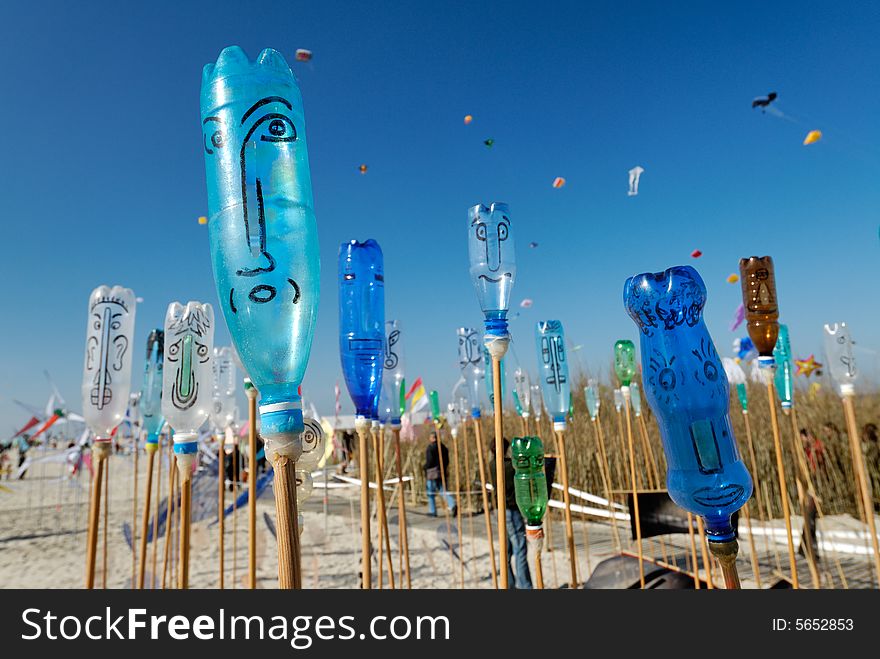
<point>379,450</point>
<point>286,523</point>
<point>478,433</point>
<point>362,425</point>
<point>780,472</point>
<point>467,492</point>
<point>100,451</point>
<point>566,498</point>
<point>154,575</point>
<point>169,519</point>
<point>635,489</point>
<point>695,566</point>
<point>602,459</point>
<point>234,515</point>
<point>446,510</point>
<point>221,501</point>
<point>401,507</point>
<point>756,569</point>
<point>134,505</point>
<point>458,509</point>
<point>252,487</point>
<point>185,470</point>
<point>151,453</point>
<point>499,471</point>
<point>106,524</point>
<point>859,466</point>
<point>707,563</point>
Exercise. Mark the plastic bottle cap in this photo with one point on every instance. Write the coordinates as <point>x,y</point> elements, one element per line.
<point>559,426</point>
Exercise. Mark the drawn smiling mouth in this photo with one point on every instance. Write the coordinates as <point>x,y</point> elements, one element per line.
<point>495,281</point>
<point>724,496</point>
<point>263,293</point>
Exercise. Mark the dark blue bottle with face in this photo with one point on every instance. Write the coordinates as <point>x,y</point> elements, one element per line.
<point>687,389</point>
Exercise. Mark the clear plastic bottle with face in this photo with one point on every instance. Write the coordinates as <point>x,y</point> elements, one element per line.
<point>470,361</point>
<point>151,393</point>
<point>261,225</point>
<point>187,377</point>
<point>687,390</point>
<point>106,383</point>
<point>758,279</point>
<point>492,262</point>
<point>839,353</point>
<point>394,366</point>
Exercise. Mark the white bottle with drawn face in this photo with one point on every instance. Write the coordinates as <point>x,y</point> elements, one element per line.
<point>106,381</point>
<point>187,380</point>
<point>841,361</point>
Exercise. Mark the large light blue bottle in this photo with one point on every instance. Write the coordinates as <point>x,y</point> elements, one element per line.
<point>151,393</point>
<point>782,377</point>
<point>492,263</point>
<point>264,240</point>
<point>553,370</point>
<point>687,389</point>
<point>362,323</point>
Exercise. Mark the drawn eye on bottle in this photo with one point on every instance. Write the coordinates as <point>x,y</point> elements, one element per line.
<point>174,351</point>
<point>275,127</point>
<point>503,231</point>
<point>214,136</point>
<point>481,231</point>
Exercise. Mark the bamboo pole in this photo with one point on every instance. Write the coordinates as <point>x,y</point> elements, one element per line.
<point>802,477</point>
<point>134,505</point>
<point>169,519</point>
<point>252,486</point>
<point>150,449</point>
<point>287,521</point>
<point>859,466</point>
<point>185,462</point>
<point>235,468</point>
<point>535,539</point>
<point>566,499</point>
<point>443,497</point>
<point>382,531</point>
<point>707,563</point>
<point>154,576</point>
<point>478,433</point>
<point>467,493</point>
<point>106,524</point>
<point>694,564</point>
<point>403,542</point>
<point>362,424</point>
<point>756,569</point>
<point>634,485</point>
<point>780,471</point>
<point>458,508</point>
<point>100,452</point>
<point>221,503</point>
<point>602,458</point>
<point>499,461</point>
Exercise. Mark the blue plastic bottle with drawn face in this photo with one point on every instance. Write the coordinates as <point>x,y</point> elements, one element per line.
<point>687,389</point>
<point>264,239</point>
<point>492,262</point>
<point>782,377</point>
<point>553,370</point>
<point>151,394</point>
<point>362,322</point>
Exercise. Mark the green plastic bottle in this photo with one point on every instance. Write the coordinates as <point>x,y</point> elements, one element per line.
<point>530,483</point>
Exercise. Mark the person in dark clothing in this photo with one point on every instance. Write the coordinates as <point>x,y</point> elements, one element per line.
<point>433,478</point>
<point>233,467</point>
<point>517,550</point>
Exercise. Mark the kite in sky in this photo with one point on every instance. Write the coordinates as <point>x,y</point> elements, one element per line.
<point>812,137</point>
<point>634,175</point>
<point>807,366</point>
<point>558,182</point>
<point>303,55</point>
<point>763,101</point>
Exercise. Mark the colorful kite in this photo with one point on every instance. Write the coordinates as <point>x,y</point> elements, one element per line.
<point>738,317</point>
<point>467,119</point>
<point>303,55</point>
<point>812,137</point>
<point>763,101</point>
<point>808,366</point>
<point>732,278</point>
<point>526,303</point>
<point>363,169</point>
<point>696,254</point>
<point>489,142</point>
<point>558,182</point>
<point>203,220</point>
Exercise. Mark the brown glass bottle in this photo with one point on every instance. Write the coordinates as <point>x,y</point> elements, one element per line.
<point>759,299</point>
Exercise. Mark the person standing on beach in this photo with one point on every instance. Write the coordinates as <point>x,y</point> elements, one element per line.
<point>517,549</point>
<point>433,479</point>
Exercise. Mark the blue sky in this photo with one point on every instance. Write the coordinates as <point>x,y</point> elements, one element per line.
<point>103,177</point>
